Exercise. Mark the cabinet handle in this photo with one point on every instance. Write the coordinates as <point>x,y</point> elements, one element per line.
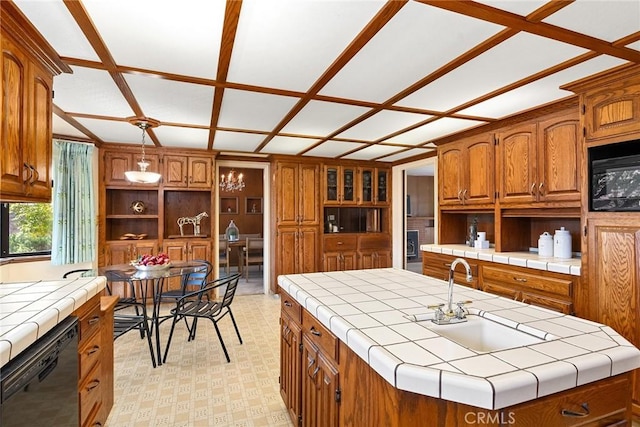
<point>94,320</point>
<point>576,414</point>
<point>315,332</point>
<point>37,174</point>
<point>93,384</point>
<point>533,189</point>
<point>464,195</point>
<point>447,264</point>
<point>28,168</point>
<point>520,279</point>
<point>460,195</point>
<point>287,304</point>
<point>540,187</point>
<point>340,243</point>
<point>94,349</point>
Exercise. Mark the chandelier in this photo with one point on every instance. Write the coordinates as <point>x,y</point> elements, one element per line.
<point>231,182</point>
<point>143,176</point>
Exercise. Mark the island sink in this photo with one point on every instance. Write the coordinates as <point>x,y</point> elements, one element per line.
<point>485,335</point>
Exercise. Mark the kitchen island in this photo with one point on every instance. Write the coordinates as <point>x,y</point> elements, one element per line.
<point>369,352</point>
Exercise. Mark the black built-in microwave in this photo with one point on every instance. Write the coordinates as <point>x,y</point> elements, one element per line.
<point>614,173</point>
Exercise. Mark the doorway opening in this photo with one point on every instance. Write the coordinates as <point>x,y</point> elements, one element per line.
<point>246,210</point>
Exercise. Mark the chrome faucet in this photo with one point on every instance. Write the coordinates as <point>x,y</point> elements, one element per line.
<point>451,270</point>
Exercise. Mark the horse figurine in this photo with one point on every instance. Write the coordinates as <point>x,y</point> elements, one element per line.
<point>195,220</point>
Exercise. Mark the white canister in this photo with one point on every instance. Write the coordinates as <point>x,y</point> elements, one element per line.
<point>545,245</point>
<point>562,244</point>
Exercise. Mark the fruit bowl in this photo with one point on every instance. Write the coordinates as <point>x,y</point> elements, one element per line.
<point>151,262</point>
<point>151,267</point>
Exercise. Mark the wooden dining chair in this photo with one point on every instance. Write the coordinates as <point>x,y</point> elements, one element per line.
<point>223,254</point>
<point>253,254</point>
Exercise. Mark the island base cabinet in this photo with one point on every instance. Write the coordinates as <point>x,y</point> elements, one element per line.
<point>369,400</point>
<point>290,365</point>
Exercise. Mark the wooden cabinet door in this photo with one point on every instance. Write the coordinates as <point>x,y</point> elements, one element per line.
<point>13,173</point>
<point>116,163</point>
<point>331,261</point>
<point>367,184</point>
<point>287,191</point>
<point>145,247</point>
<point>200,172</point>
<point>308,244</point>
<point>287,255</point>
<point>479,180</point>
<point>382,186</point>
<point>176,250</point>
<point>367,259</point>
<point>308,191</point>
<point>559,153</point>
<point>517,164</point>
<point>200,249</point>
<point>290,365</point>
<point>383,259</point>
<point>613,110</point>
<point>38,144</point>
<point>331,185</point>
<point>320,386</point>
<point>119,253</point>
<point>176,170</point>
<point>450,174</point>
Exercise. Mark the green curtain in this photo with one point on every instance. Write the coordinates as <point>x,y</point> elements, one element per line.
<point>74,212</point>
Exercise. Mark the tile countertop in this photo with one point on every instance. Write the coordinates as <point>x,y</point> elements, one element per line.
<point>28,310</point>
<point>520,259</point>
<point>366,310</point>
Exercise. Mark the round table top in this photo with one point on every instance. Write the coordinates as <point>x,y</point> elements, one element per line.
<point>121,272</point>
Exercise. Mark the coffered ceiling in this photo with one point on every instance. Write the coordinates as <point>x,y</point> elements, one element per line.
<point>345,79</point>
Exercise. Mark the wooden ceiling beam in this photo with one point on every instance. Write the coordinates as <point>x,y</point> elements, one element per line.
<point>520,23</point>
<point>73,122</point>
<point>85,23</point>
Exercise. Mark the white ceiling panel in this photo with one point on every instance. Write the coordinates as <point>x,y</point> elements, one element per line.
<point>287,145</point>
<point>433,130</point>
<point>253,110</point>
<point>607,20</point>
<point>90,91</point>
<point>519,7</point>
<point>322,118</point>
<point>502,65</point>
<point>63,128</point>
<point>117,132</point>
<point>172,101</point>
<point>333,149</point>
<point>140,33</point>
<point>237,141</point>
<point>172,136</point>
<point>382,123</point>
<point>371,152</point>
<point>55,23</point>
<point>417,41</point>
<point>409,153</point>
<point>539,92</point>
<point>277,42</point>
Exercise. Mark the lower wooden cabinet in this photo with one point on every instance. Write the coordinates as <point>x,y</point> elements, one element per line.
<point>546,289</point>
<point>95,356</point>
<point>122,252</point>
<point>309,375</point>
<point>185,250</point>
<point>354,251</point>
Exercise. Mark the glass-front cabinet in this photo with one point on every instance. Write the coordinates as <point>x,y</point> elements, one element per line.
<point>374,186</point>
<point>339,185</point>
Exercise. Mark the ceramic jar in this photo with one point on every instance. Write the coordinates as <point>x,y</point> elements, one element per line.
<point>562,244</point>
<point>545,245</point>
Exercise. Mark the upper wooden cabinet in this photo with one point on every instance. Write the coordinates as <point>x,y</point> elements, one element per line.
<point>612,112</point>
<point>188,171</point>
<point>466,171</point>
<point>28,65</point>
<point>373,187</point>
<point>540,161</point>
<point>339,185</point>
<point>116,163</point>
<point>298,198</point>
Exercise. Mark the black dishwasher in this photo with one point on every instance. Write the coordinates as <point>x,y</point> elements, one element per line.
<point>40,386</point>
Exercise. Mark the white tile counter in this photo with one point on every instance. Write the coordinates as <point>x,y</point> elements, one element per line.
<point>28,310</point>
<point>367,309</point>
<point>520,259</point>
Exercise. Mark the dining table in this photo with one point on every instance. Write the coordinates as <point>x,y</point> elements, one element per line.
<point>148,285</point>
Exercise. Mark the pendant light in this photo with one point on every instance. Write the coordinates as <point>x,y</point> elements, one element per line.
<point>143,176</point>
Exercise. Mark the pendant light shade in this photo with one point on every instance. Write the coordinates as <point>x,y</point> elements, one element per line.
<point>143,176</point>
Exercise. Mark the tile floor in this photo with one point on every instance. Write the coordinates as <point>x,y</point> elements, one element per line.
<point>197,387</point>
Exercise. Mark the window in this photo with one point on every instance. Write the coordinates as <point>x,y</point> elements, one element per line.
<point>25,229</point>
